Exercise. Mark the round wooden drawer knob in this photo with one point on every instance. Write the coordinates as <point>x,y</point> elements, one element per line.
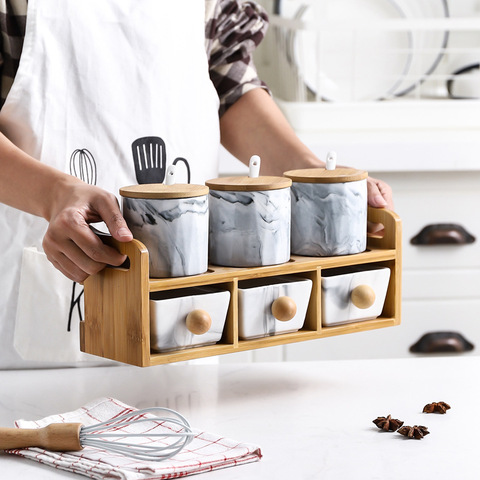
<point>284,308</point>
<point>363,296</point>
<point>198,322</point>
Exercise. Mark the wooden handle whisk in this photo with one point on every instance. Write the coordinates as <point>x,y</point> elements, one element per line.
<point>171,429</point>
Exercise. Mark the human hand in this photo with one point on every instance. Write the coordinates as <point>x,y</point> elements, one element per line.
<point>69,243</point>
<point>380,195</point>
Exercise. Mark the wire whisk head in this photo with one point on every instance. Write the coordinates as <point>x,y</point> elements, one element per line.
<point>151,434</point>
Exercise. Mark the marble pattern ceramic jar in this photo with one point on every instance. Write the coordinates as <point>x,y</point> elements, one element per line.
<point>249,221</point>
<point>329,211</point>
<point>172,222</point>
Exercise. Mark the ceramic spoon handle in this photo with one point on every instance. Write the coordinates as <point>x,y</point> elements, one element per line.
<point>57,437</point>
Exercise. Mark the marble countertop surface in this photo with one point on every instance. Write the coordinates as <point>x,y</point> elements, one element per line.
<point>312,420</point>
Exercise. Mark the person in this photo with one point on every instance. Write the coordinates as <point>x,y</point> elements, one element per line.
<point>82,83</point>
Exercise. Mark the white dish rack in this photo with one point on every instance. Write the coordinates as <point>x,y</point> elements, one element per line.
<point>368,50</point>
<point>412,112</point>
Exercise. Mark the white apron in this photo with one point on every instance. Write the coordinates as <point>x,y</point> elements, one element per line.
<point>99,84</point>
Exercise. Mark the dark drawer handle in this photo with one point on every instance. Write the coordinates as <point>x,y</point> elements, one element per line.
<point>443,234</point>
<point>441,342</point>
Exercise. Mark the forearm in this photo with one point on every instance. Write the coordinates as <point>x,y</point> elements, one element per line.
<point>254,125</point>
<point>69,205</point>
<point>27,184</point>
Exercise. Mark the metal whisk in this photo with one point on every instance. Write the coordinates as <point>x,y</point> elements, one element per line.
<point>169,433</point>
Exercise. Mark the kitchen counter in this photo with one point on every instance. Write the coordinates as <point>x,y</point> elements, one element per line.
<point>312,420</point>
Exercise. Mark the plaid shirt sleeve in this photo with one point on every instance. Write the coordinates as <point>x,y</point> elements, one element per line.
<point>13,15</point>
<point>233,29</point>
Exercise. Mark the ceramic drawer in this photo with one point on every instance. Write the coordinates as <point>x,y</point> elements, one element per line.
<point>189,317</point>
<point>271,306</point>
<point>353,294</point>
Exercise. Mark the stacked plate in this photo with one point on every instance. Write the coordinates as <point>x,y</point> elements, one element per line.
<point>357,50</point>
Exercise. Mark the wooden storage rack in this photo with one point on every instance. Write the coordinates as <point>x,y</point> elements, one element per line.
<point>117,316</point>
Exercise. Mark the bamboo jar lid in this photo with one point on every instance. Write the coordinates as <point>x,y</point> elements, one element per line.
<point>249,184</point>
<point>322,175</point>
<point>159,191</point>
<point>329,174</point>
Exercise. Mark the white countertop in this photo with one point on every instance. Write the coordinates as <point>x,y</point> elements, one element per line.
<point>313,420</point>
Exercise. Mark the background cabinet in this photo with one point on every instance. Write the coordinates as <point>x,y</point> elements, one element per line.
<point>425,144</point>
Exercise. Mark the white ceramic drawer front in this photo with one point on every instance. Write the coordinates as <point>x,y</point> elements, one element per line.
<point>169,328</point>
<point>256,299</point>
<point>353,294</point>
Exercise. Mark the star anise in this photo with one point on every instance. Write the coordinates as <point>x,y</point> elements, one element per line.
<point>417,431</point>
<point>388,423</point>
<point>436,407</point>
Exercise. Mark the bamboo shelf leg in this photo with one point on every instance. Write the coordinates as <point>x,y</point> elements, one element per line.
<point>117,323</point>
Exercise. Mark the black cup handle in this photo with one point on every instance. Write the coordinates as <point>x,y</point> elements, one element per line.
<point>455,75</point>
<point>181,159</point>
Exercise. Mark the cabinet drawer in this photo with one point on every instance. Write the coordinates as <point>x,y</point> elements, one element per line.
<point>460,210</point>
<point>418,318</point>
<point>424,199</point>
<point>459,316</point>
<point>441,284</point>
<point>353,294</point>
<point>185,318</point>
<point>271,306</point>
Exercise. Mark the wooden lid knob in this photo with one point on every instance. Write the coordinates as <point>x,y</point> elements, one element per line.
<point>363,296</point>
<point>284,308</point>
<point>198,322</point>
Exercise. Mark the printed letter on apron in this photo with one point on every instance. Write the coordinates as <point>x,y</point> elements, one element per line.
<point>100,86</point>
